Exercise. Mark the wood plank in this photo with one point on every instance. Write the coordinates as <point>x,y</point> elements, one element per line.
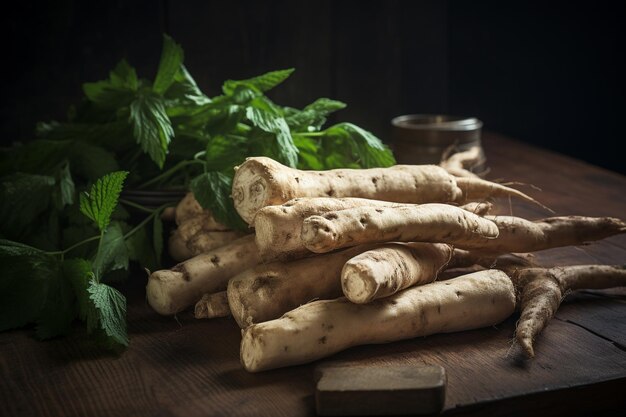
<point>590,309</point>
<point>191,367</point>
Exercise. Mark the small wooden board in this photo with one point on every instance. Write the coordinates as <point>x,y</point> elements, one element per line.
<point>380,390</point>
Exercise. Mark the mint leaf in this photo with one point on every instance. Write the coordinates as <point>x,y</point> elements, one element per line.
<point>91,161</point>
<point>212,190</point>
<point>140,249</point>
<point>308,153</point>
<point>64,193</point>
<point>9,248</point>
<point>224,152</point>
<point>117,91</point>
<point>23,198</point>
<point>271,123</point>
<point>24,280</point>
<point>101,200</point>
<point>100,306</point>
<point>124,76</point>
<point>367,149</point>
<point>35,157</point>
<point>110,305</point>
<point>112,135</point>
<point>152,128</point>
<point>113,253</point>
<point>184,97</point>
<point>263,82</point>
<point>313,116</point>
<point>171,59</point>
<point>78,272</point>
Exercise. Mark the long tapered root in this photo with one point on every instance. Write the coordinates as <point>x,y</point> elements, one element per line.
<point>521,235</point>
<point>540,291</point>
<point>261,182</point>
<point>277,228</point>
<point>325,327</point>
<point>424,223</point>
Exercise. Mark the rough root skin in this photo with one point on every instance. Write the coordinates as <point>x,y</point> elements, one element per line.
<point>386,270</point>
<point>521,235</point>
<point>322,328</point>
<point>268,291</point>
<point>278,227</point>
<point>171,291</point>
<point>261,182</point>
<point>212,306</point>
<point>440,223</point>
<point>540,291</point>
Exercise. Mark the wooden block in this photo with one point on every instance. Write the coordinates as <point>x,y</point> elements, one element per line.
<point>380,390</point>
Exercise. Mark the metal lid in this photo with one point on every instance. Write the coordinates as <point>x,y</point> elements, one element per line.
<point>436,122</point>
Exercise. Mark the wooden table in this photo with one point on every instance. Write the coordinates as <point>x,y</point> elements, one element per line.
<point>187,367</point>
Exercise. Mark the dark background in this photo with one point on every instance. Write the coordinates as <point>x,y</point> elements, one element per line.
<point>551,74</point>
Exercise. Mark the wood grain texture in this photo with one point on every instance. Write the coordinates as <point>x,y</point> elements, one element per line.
<point>188,367</point>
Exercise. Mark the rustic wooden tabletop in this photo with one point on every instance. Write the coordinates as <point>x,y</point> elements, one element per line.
<point>186,367</point>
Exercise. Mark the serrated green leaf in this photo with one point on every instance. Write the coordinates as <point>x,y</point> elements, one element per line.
<point>313,116</point>
<point>23,198</point>
<point>24,280</point>
<point>114,136</point>
<point>113,253</point>
<point>64,193</point>
<point>124,76</point>
<point>212,190</point>
<point>35,157</point>
<point>91,161</point>
<point>171,60</point>
<point>111,307</point>
<point>224,152</point>
<point>308,153</point>
<point>117,91</point>
<point>184,97</point>
<point>10,248</point>
<point>225,120</point>
<point>271,123</point>
<point>140,249</point>
<point>78,272</point>
<point>152,128</point>
<point>367,150</point>
<point>263,82</point>
<point>101,200</point>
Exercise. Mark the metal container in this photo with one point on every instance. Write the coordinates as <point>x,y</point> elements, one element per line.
<point>425,138</point>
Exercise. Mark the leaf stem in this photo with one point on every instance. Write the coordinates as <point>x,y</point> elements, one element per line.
<point>135,205</point>
<point>312,134</point>
<point>155,212</point>
<point>74,246</point>
<point>170,171</point>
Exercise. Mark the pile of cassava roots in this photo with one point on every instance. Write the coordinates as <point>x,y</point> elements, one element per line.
<point>347,257</point>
